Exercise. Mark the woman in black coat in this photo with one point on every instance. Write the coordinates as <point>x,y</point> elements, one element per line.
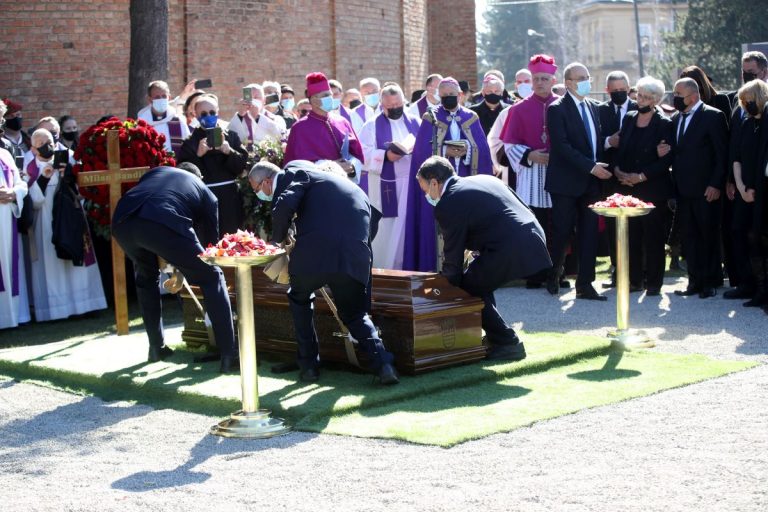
<point>643,171</point>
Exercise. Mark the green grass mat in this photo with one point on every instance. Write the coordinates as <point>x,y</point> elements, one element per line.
<point>561,375</point>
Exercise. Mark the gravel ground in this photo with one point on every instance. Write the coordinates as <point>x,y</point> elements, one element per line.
<point>702,447</point>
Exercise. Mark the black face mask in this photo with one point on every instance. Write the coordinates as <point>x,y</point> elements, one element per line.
<point>619,97</point>
<point>354,104</point>
<point>679,103</point>
<point>45,151</point>
<point>751,108</point>
<point>70,136</point>
<point>13,124</point>
<point>493,99</point>
<point>449,102</point>
<point>395,113</point>
<point>645,109</point>
<point>748,76</point>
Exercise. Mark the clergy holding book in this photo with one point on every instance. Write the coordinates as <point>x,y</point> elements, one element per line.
<point>388,142</point>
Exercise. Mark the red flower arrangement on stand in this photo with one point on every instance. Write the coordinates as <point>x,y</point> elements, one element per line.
<point>140,146</point>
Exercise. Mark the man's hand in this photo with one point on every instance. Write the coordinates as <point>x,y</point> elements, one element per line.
<point>7,195</point>
<point>225,148</point>
<point>202,147</point>
<point>347,166</point>
<point>613,140</point>
<point>392,156</point>
<point>539,157</point>
<point>663,149</point>
<point>47,170</point>
<point>748,195</point>
<point>188,90</point>
<point>242,107</point>
<point>730,190</point>
<point>454,152</point>
<point>712,194</point>
<point>600,170</point>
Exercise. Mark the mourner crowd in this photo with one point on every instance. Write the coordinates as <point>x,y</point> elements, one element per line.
<point>699,155</point>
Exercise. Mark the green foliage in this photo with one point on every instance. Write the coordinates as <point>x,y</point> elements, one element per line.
<point>710,36</point>
<point>503,45</point>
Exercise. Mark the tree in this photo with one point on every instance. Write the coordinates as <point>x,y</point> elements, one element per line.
<point>503,45</point>
<point>710,36</point>
<point>149,49</point>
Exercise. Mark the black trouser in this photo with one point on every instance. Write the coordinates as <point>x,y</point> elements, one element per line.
<point>740,269</point>
<point>351,303</point>
<point>701,221</point>
<point>143,241</point>
<point>544,217</point>
<point>483,276</point>
<point>567,213</point>
<point>647,235</point>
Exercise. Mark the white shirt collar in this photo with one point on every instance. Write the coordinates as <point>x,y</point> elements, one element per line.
<point>576,100</point>
<point>695,107</point>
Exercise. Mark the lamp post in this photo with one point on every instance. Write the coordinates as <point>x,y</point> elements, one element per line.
<point>531,33</point>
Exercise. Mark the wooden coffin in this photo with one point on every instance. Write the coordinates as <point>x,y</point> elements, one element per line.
<point>423,320</point>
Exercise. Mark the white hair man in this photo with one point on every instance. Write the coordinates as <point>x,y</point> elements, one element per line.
<point>370,91</point>
<point>162,116</point>
<point>387,142</point>
<point>250,122</point>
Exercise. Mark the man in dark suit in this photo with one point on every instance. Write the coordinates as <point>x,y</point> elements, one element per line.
<point>574,177</point>
<point>333,228</point>
<point>171,213</point>
<point>700,148</point>
<point>612,114</point>
<point>481,214</point>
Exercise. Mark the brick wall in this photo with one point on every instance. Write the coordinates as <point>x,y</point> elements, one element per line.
<point>72,57</point>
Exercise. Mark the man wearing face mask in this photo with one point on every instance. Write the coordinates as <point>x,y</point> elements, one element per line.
<point>482,215</point>
<point>454,132</point>
<point>430,99</point>
<point>347,112</point>
<point>387,142</point>
<point>220,165</point>
<point>250,122</point>
<point>333,228</point>
<point>612,114</point>
<point>491,105</point>
<point>163,117</point>
<point>322,135</point>
<point>272,107</point>
<point>369,90</point>
<point>69,132</point>
<point>16,140</point>
<point>700,147</point>
<point>523,84</point>
<point>287,104</point>
<point>574,177</point>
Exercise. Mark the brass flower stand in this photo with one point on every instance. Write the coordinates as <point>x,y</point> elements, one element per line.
<point>250,422</point>
<point>623,335</point>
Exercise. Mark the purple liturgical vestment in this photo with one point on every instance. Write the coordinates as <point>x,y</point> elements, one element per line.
<point>420,229</point>
<point>383,139</point>
<point>316,138</point>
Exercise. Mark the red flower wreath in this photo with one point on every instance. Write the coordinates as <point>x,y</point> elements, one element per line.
<point>140,146</point>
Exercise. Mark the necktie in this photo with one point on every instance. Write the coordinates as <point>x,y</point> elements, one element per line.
<point>586,127</point>
<point>681,129</point>
<point>618,116</point>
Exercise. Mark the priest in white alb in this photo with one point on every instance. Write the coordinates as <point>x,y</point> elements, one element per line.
<point>163,117</point>
<point>14,303</point>
<point>387,141</point>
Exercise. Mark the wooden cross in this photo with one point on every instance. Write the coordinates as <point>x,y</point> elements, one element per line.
<point>114,176</point>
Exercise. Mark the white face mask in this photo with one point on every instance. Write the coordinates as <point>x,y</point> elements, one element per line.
<point>160,105</point>
<point>524,90</point>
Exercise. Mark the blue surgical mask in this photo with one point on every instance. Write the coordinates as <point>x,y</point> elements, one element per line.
<point>431,200</point>
<point>326,103</point>
<point>288,104</point>
<point>264,197</point>
<point>208,121</point>
<point>372,100</point>
<point>336,103</point>
<point>160,105</point>
<point>583,88</point>
<point>273,105</point>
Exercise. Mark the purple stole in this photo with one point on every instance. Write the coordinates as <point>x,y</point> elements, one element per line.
<point>33,171</point>
<point>345,114</point>
<point>422,106</point>
<point>174,130</point>
<point>361,112</point>
<point>8,174</point>
<point>383,139</point>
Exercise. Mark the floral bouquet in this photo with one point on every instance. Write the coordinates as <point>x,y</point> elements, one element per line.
<point>256,212</point>
<point>621,201</point>
<point>242,243</point>
<point>140,146</point>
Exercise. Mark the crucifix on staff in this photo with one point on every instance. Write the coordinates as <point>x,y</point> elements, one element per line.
<point>114,176</point>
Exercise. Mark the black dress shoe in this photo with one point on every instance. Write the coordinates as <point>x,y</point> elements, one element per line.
<point>514,352</point>
<point>565,284</point>
<point>653,292</point>
<point>687,292</point>
<point>553,285</point>
<point>159,353</point>
<point>740,292</point>
<point>533,285</point>
<point>589,294</point>
<point>388,375</point>
<point>609,284</point>
<point>309,375</point>
<point>705,293</point>
<point>229,364</point>
<point>758,301</point>
<point>634,288</point>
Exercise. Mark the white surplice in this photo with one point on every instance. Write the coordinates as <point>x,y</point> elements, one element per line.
<point>59,288</point>
<point>161,125</point>
<point>14,310</point>
<point>388,244</point>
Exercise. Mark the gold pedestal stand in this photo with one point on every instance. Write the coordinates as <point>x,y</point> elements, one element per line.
<point>250,422</point>
<point>623,335</point>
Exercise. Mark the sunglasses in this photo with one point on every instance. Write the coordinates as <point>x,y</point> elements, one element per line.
<point>304,112</point>
<point>211,113</point>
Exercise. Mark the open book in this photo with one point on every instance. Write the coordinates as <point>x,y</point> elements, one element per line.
<point>403,147</point>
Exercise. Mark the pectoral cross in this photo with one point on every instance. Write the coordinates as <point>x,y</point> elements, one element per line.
<point>114,176</point>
